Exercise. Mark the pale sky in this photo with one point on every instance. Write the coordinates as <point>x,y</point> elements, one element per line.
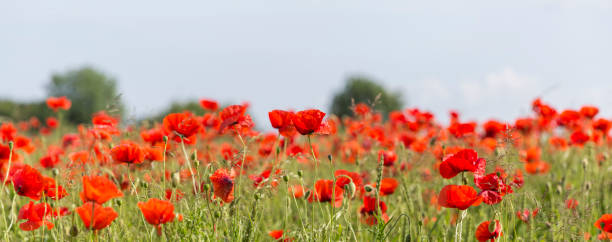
<point>487,59</point>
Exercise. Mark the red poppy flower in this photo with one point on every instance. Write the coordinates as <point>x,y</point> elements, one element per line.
<point>388,186</point>
<point>526,215</point>
<point>176,193</point>
<point>323,193</point>
<point>297,191</point>
<point>209,104</point>
<point>308,121</point>
<point>492,186</point>
<point>52,122</point>
<point>283,121</point>
<point>28,182</point>
<point>102,216</point>
<point>369,210</point>
<point>231,115</point>
<point>604,223</point>
<point>157,212</point>
<point>342,178</point>
<point>181,124</point>
<point>589,111</point>
<point>5,154</point>
<point>278,236</point>
<point>464,160</point>
<point>128,152</point>
<point>537,167</point>
<point>25,144</point>
<point>579,138</point>
<point>461,129</point>
<point>458,196</point>
<point>8,131</point>
<point>56,103</point>
<point>152,136</point>
<point>388,157</point>
<point>52,190</point>
<point>36,216</point>
<point>483,233</point>
<point>99,189</point>
<point>223,184</point>
<point>154,153</point>
<point>571,203</point>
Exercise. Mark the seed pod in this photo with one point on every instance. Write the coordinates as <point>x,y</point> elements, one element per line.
<point>176,179</point>
<point>74,231</point>
<point>11,144</point>
<point>307,194</point>
<point>55,172</point>
<point>194,155</point>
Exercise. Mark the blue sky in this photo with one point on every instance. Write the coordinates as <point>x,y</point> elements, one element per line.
<point>487,59</point>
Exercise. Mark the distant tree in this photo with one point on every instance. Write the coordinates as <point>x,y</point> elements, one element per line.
<point>89,90</point>
<point>359,89</point>
<point>24,110</point>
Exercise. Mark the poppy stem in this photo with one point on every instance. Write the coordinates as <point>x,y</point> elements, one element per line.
<point>5,180</point>
<point>164,161</point>
<point>189,166</point>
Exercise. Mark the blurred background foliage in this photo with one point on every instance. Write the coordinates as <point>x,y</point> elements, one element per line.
<point>361,89</point>
<point>92,90</point>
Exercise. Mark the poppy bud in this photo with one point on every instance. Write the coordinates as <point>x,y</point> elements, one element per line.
<point>196,163</point>
<point>408,239</point>
<point>285,178</point>
<point>277,150</point>
<point>217,214</point>
<point>368,188</point>
<point>143,184</point>
<point>118,202</point>
<point>300,173</point>
<point>206,187</point>
<point>194,155</point>
<point>257,196</point>
<point>559,190</point>
<point>55,172</point>
<point>165,139</point>
<point>585,163</point>
<point>176,179</point>
<point>307,194</point>
<point>10,144</point>
<point>587,186</point>
<point>329,157</point>
<point>74,231</point>
<point>351,188</point>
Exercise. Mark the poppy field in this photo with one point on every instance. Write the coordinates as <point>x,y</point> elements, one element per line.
<point>312,176</point>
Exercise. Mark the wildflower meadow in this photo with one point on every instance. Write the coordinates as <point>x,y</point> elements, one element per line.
<point>307,176</point>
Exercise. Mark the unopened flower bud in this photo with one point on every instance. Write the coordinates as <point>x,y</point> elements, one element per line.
<point>118,202</point>
<point>217,214</point>
<point>351,188</point>
<point>285,178</point>
<point>300,173</point>
<point>11,144</point>
<point>368,188</point>
<point>194,156</point>
<point>307,194</point>
<point>176,179</point>
<point>55,172</point>
<point>206,187</point>
<point>165,139</point>
<point>587,186</point>
<point>74,231</point>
